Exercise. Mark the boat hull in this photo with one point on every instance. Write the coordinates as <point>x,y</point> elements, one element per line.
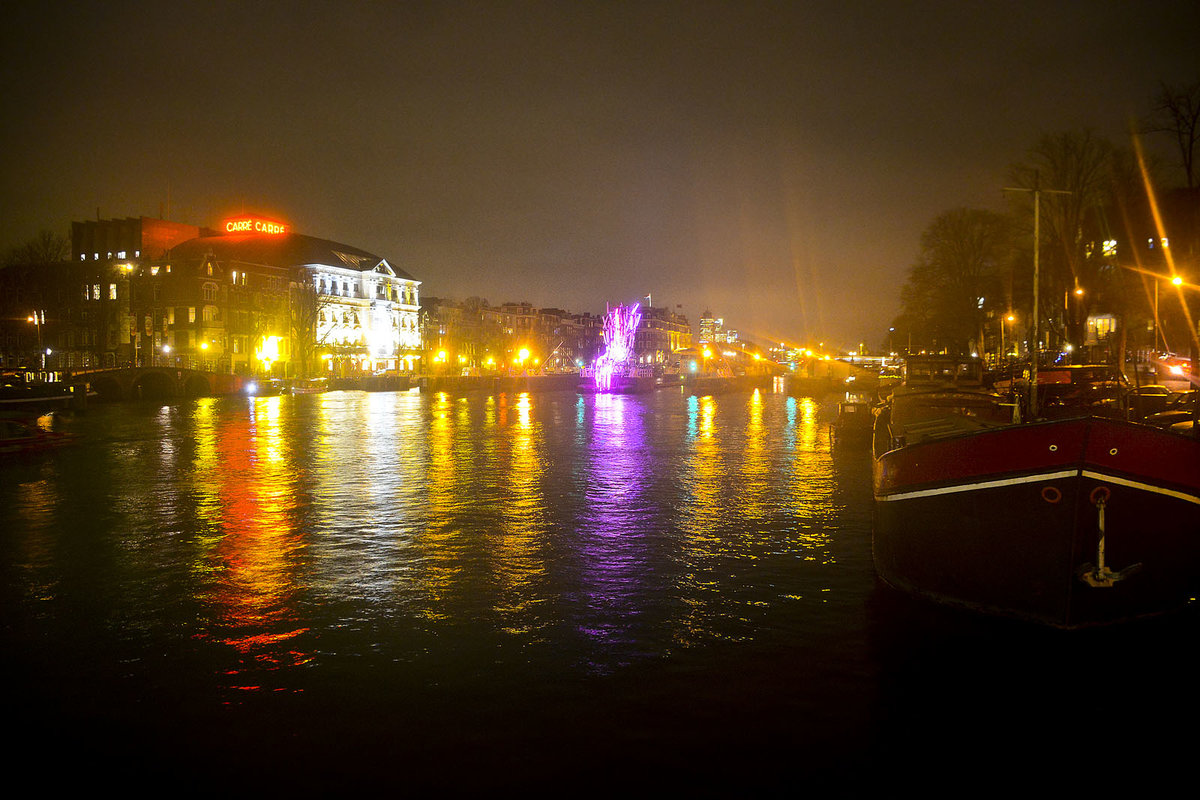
<point>620,384</point>
<point>1008,521</point>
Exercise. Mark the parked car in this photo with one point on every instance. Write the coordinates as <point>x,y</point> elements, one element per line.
<point>1148,399</point>
<point>1185,399</point>
<point>1180,407</point>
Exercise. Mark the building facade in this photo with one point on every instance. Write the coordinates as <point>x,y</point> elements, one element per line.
<point>474,337</point>
<point>249,297</point>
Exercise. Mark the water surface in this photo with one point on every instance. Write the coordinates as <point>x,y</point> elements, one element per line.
<point>355,590</point>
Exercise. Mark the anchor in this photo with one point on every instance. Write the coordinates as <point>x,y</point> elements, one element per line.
<point>1100,575</point>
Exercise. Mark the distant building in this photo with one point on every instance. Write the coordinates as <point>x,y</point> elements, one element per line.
<point>713,331</point>
<point>661,333</point>
<point>474,337</point>
<point>250,296</point>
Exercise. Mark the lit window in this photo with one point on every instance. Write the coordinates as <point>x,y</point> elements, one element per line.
<point>120,254</point>
<point>191,313</point>
<point>83,256</point>
<point>112,291</point>
<point>96,291</point>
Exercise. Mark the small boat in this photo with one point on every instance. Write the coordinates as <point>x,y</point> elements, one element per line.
<point>623,380</point>
<point>21,437</point>
<point>1074,521</point>
<point>313,386</point>
<point>855,420</point>
<point>24,393</point>
<point>268,387</point>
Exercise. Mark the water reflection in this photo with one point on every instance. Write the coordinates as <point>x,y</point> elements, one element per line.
<point>249,548</point>
<point>436,547</point>
<point>812,485</point>
<point>615,525</point>
<point>517,551</point>
<point>399,522</point>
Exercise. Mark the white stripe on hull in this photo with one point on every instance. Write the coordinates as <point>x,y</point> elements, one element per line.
<point>1043,476</point>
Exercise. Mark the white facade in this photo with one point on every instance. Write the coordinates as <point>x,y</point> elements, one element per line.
<point>368,315</point>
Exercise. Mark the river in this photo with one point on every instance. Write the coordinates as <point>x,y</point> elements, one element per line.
<point>550,593</point>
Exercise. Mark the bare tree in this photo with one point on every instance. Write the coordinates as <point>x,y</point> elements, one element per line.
<point>44,249</point>
<point>1177,112</point>
<point>1075,171</point>
<point>957,277</point>
<point>305,307</point>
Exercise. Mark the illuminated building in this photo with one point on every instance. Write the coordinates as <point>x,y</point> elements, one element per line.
<point>661,333</point>
<point>302,305</point>
<point>249,296</point>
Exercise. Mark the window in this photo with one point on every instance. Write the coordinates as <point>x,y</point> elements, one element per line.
<point>210,291</point>
<point>191,313</point>
<point>112,291</point>
<point>171,316</point>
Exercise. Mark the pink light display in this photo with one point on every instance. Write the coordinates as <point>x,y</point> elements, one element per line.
<point>620,327</point>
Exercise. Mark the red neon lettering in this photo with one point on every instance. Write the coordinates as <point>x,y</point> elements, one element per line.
<point>255,225</point>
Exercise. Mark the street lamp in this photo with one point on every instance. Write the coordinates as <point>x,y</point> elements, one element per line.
<point>38,319</point>
<point>1177,281</point>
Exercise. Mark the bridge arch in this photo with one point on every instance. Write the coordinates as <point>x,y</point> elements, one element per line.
<point>107,387</point>
<point>154,385</point>
<point>196,385</point>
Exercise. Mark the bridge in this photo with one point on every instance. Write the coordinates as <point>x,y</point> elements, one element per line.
<point>158,383</point>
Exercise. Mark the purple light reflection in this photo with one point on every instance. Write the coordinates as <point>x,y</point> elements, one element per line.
<point>616,529</point>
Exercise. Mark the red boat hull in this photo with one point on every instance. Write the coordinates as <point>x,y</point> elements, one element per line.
<point>1008,520</point>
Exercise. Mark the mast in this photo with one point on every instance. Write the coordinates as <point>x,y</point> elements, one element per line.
<point>1037,192</point>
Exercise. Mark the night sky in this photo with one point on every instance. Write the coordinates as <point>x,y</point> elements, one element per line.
<point>774,162</point>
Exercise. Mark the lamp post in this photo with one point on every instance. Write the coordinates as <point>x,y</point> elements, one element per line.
<point>1176,281</point>
<point>1003,320</point>
<point>38,318</point>
<point>1037,191</point>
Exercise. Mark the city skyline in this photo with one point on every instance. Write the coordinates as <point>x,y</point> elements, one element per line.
<point>776,164</point>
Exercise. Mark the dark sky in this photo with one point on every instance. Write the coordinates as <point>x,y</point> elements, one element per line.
<point>775,162</point>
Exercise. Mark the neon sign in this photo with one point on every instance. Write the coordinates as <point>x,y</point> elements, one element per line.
<point>255,225</point>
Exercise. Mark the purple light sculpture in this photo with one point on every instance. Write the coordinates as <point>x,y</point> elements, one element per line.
<point>620,326</point>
